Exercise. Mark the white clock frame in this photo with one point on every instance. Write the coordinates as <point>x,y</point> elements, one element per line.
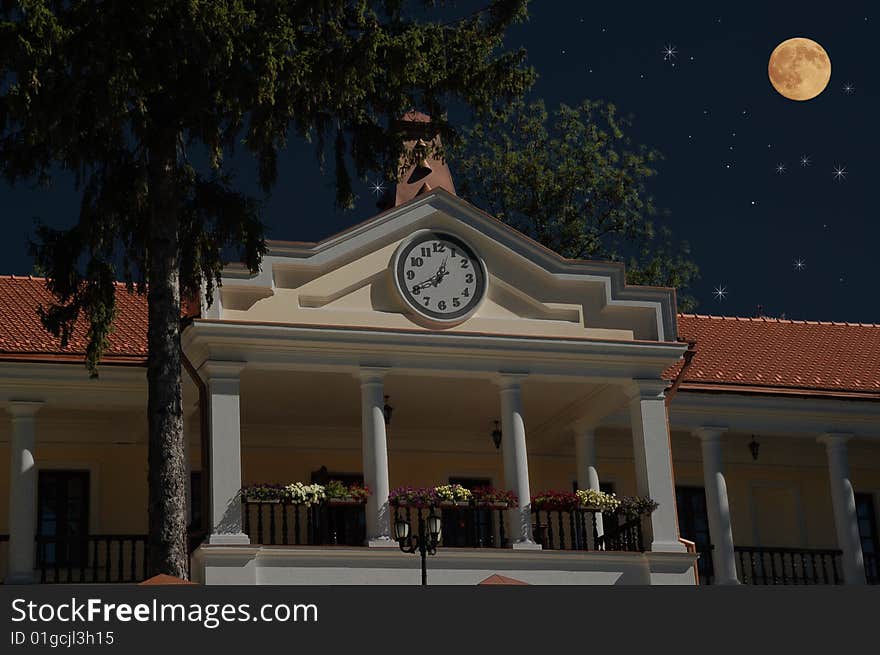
<point>417,310</point>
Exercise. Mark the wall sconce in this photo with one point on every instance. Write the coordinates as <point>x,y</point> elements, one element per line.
<point>754,446</point>
<point>387,410</point>
<point>496,436</point>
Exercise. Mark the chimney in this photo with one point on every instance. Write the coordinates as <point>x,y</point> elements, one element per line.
<point>427,173</point>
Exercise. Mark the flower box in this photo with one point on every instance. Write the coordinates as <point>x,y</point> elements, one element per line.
<point>449,504</point>
<point>256,499</point>
<point>346,500</point>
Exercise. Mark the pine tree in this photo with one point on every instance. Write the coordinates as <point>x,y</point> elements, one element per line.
<point>128,95</point>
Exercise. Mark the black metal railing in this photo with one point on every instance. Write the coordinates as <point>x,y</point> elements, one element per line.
<point>464,526</point>
<point>286,524</point>
<point>788,566</point>
<point>756,565</point>
<point>4,555</point>
<point>579,530</point>
<point>101,558</point>
<point>872,568</point>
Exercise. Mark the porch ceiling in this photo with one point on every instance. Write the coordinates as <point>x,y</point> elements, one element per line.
<point>419,402</point>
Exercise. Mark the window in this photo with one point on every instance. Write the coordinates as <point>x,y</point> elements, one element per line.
<point>868,533</point>
<point>63,517</point>
<point>466,527</point>
<point>693,524</point>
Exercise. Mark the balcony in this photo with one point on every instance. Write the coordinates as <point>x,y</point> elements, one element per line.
<point>464,526</point>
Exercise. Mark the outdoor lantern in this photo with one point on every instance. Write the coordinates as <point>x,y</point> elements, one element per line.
<point>496,436</point>
<point>434,526</point>
<point>387,410</point>
<point>401,529</point>
<point>753,448</point>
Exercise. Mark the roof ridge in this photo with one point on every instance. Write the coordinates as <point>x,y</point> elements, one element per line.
<point>41,278</point>
<point>772,319</point>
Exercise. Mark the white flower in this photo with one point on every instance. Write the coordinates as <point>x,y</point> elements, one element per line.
<point>598,499</point>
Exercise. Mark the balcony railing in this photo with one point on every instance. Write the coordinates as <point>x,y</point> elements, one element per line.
<point>872,568</point>
<point>757,565</point>
<point>578,530</point>
<point>104,558</point>
<point>464,526</point>
<point>286,524</point>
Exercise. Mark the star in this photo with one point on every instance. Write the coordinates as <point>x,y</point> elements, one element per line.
<point>799,264</point>
<point>720,293</point>
<point>839,173</point>
<point>848,89</point>
<point>377,187</point>
<point>780,168</point>
<point>669,52</point>
<point>805,161</point>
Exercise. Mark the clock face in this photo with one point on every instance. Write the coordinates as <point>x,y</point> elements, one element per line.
<point>440,276</point>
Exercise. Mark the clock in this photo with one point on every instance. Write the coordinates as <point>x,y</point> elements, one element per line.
<point>439,276</point>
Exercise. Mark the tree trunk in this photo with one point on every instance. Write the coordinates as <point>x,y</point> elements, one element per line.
<point>167,464</point>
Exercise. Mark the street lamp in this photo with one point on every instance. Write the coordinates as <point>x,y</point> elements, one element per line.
<point>422,543</point>
<point>496,436</point>
<point>387,410</point>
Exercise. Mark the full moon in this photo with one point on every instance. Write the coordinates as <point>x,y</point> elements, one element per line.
<point>799,69</point>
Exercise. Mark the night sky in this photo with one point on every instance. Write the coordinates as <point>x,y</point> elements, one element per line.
<point>748,176</point>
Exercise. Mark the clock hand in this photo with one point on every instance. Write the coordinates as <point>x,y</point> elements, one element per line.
<point>441,272</point>
<point>427,283</point>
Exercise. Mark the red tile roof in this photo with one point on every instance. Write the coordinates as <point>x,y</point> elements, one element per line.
<point>748,354</point>
<point>22,334</point>
<point>778,354</point>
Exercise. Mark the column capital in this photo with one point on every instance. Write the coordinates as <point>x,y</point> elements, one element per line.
<point>508,380</point>
<point>709,432</point>
<point>372,374</point>
<point>834,439</point>
<point>646,389</point>
<point>215,370</point>
<point>24,408</point>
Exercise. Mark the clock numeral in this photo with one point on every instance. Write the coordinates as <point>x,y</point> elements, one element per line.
<point>426,252</point>
<point>456,302</point>
<point>427,299</point>
<point>466,293</point>
<point>416,291</point>
<point>410,274</point>
<point>452,252</point>
<point>439,247</point>
<point>465,263</point>
<point>416,261</point>
<point>469,278</point>
<point>441,305</point>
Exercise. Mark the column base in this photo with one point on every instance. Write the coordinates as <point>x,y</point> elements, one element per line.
<point>668,547</point>
<point>232,539</point>
<point>381,542</point>
<point>725,583</point>
<point>23,577</point>
<point>526,545</point>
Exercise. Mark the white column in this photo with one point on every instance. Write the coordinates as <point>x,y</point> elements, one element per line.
<point>844,503</point>
<point>585,460</point>
<point>717,506</point>
<point>516,461</point>
<point>375,454</point>
<point>653,459</point>
<point>22,493</point>
<point>224,427</point>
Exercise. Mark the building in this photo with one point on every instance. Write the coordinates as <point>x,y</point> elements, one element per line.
<point>762,448</point>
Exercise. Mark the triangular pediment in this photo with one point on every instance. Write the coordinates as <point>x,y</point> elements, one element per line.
<point>348,280</point>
